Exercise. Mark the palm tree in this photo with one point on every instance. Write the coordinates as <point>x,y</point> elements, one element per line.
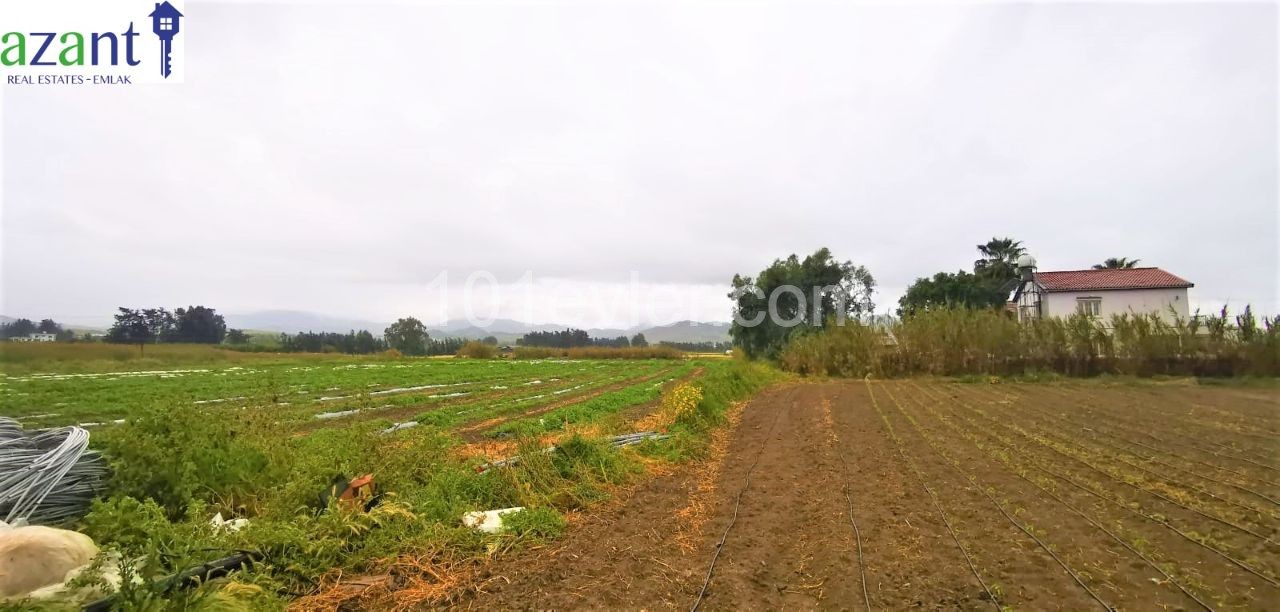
<point>1116,263</point>
<point>999,258</point>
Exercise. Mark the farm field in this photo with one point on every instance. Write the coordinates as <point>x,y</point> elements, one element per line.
<point>313,394</point>
<point>927,493</point>
<point>261,441</point>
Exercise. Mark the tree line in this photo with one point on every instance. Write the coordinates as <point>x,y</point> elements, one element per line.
<point>194,324</point>
<point>698,347</point>
<point>575,338</point>
<point>21,328</point>
<point>795,297</point>
<point>993,278</point>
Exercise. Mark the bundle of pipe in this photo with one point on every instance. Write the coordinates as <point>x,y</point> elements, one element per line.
<point>47,476</point>
<point>636,438</point>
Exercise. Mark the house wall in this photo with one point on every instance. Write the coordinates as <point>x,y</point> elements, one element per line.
<point>1120,301</point>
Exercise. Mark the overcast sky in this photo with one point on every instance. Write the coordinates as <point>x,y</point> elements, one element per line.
<point>338,158</point>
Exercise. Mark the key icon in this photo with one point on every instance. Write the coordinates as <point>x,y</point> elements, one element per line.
<point>164,22</point>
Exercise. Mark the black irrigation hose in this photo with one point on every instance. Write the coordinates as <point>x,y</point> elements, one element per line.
<point>737,502</point>
<point>1125,425</point>
<point>1155,459</point>
<point>1185,418</point>
<point>857,535</point>
<point>933,496</point>
<point>1119,424</point>
<point>993,501</point>
<point>1044,489</point>
<point>1216,519</point>
<point>1242,565</point>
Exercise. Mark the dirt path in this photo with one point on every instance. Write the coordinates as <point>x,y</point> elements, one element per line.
<point>945,521</point>
<point>792,544</point>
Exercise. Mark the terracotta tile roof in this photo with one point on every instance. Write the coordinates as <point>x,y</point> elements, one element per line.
<point>1101,280</point>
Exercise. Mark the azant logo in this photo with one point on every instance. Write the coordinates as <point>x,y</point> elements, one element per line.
<point>45,42</point>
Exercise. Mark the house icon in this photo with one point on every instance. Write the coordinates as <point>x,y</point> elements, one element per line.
<point>165,22</point>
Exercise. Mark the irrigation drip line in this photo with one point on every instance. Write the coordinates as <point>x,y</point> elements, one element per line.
<point>1197,488</point>
<point>1124,506</point>
<point>932,496</point>
<point>857,535</point>
<point>47,476</point>
<point>1126,425</point>
<point>951,462</point>
<point>1019,473</point>
<point>1155,459</point>
<point>1242,425</point>
<point>1047,435</point>
<point>737,503</point>
<point>1120,425</point>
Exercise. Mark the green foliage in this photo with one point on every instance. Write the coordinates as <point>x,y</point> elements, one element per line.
<point>987,287</point>
<point>476,349</point>
<point>197,325</point>
<point>598,352</point>
<point>958,341</point>
<point>841,289</point>
<point>722,385</point>
<point>191,325</point>
<point>1116,263</point>
<point>17,328</point>
<point>947,290</point>
<point>999,259</point>
<point>407,335</point>
<point>176,465</point>
<point>179,454</point>
<point>535,524</point>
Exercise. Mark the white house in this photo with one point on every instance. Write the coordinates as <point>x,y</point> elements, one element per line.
<point>36,337</point>
<point>1098,293</point>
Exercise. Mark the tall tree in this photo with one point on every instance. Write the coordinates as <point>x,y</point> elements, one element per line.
<point>18,328</point>
<point>794,295</point>
<point>989,285</point>
<point>407,335</point>
<point>945,290</point>
<point>237,336</point>
<point>141,327</point>
<point>638,341</point>
<point>999,259</point>
<point>197,324</point>
<point>1116,263</point>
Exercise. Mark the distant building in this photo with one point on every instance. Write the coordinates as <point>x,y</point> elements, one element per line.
<point>36,337</point>
<point>1098,293</point>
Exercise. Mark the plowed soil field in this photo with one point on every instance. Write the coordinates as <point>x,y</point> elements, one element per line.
<point>940,495</point>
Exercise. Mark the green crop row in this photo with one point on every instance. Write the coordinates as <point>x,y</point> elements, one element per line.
<point>174,465</point>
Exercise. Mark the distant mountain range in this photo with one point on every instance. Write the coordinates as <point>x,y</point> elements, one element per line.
<point>505,330</point>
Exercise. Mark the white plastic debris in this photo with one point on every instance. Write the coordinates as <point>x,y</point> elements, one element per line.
<point>399,426</point>
<point>37,556</point>
<point>488,521</point>
<point>230,526</point>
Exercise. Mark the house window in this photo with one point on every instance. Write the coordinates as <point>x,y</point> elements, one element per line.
<point>166,23</point>
<point>1089,307</point>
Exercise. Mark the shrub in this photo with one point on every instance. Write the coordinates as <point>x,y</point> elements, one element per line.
<point>536,524</point>
<point>680,400</point>
<point>955,342</point>
<point>476,349</point>
<point>180,454</point>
